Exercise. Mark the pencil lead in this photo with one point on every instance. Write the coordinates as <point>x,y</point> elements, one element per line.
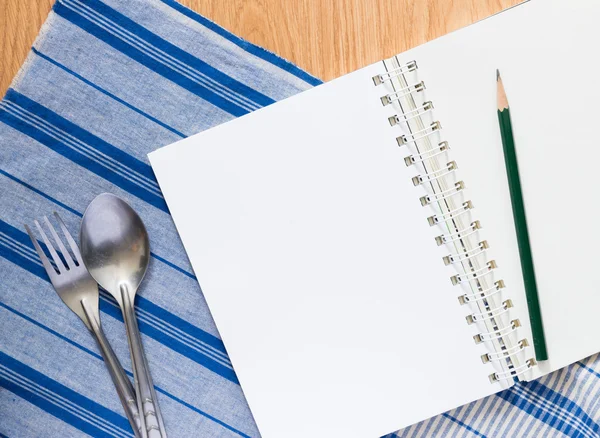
<point>497,75</point>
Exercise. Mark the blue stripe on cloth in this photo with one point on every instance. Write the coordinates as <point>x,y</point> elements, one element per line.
<point>417,428</point>
<point>247,46</point>
<point>588,369</point>
<point>182,337</point>
<point>216,420</point>
<point>552,408</point>
<point>449,421</point>
<point>129,373</point>
<point>154,321</point>
<point>438,426</point>
<point>39,192</point>
<point>480,408</point>
<point>186,70</point>
<point>103,91</point>
<point>173,265</point>
<point>18,258</point>
<point>463,425</point>
<point>81,147</point>
<point>77,213</point>
<point>60,401</point>
<point>49,330</point>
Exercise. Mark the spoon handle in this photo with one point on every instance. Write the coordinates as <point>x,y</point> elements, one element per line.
<point>152,425</point>
<point>117,373</point>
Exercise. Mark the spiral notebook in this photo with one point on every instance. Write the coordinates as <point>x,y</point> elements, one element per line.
<point>355,242</point>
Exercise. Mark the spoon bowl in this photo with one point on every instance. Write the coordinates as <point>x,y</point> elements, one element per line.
<point>114,245</point>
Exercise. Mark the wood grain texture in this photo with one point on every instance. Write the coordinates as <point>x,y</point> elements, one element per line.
<point>20,22</point>
<point>327,38</point>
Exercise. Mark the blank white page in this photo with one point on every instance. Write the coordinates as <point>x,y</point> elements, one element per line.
<point>319,267</point>
<point>546,53</point>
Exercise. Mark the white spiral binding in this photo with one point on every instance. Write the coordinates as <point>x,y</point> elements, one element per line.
<point>474,274</point>
<point>419,158</point>
<point>489,314</point>
<point>419,135</point>
<point>491,357</point>
<point>437,219</point>
<point>458,234</point>
<point>407,68</point>
<point>403,92</point>
<point>442,196</point>
<point>432,176</point>
<point>483,292</point>
<point>418,112</point>
<point>497,334</point>
<point>514,372</point>
<point>466,254</point>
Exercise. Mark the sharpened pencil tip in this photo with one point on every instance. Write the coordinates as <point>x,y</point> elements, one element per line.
<point>501,94</point>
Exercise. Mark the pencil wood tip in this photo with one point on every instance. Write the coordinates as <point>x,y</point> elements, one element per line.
<point>501,94</point>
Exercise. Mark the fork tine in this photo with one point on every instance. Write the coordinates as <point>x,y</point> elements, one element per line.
<point>70,239</point>
<point>49,268</point>
<point>61,246</point>
<point>53,253</point>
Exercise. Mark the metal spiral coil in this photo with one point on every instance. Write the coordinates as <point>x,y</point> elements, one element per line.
<point>406,94</point>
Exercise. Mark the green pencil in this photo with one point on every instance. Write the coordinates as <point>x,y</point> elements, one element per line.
<point>518,207</point>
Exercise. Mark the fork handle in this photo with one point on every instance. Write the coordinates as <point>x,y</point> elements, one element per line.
<point>151,418</point>
<point>117,373</point>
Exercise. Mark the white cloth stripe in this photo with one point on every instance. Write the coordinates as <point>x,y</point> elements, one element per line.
<point>107,161</point>
<point>594,400</point>
<point>12,243</point>
<point>158,325</point>
<point>489,415</point>
<point>189,341</point>
<point>451,426</point>
<point>62,402</point>
<point>91,153</point>
<point>160,56</point>
<point>501,417</point>
<point>78,145</point>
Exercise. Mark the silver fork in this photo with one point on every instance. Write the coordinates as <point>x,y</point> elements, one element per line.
<point>79,291</point>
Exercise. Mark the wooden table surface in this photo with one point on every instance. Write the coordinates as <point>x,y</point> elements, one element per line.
<point>325,37</point>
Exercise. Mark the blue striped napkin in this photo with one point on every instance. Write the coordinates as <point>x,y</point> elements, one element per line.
<point>105,83</point>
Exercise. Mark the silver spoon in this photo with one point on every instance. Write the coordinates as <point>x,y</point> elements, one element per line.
<point>116,250</point>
